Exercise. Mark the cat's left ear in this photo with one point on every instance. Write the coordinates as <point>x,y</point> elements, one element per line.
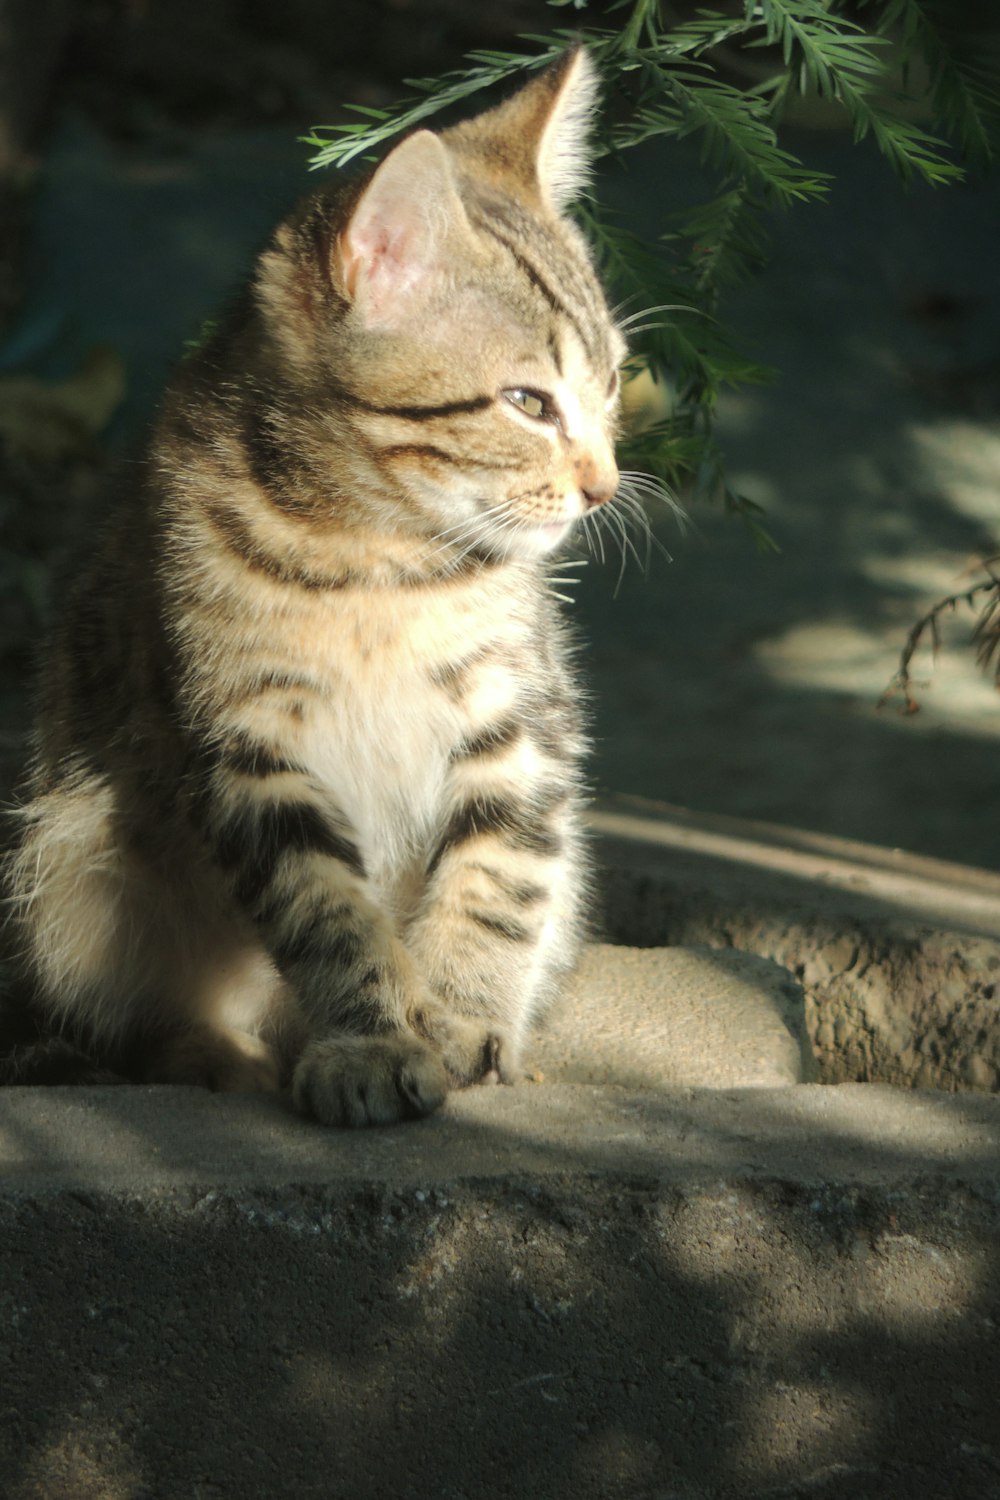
<point>538,138</point>
<point>563,102</point>
<point>394,244</point>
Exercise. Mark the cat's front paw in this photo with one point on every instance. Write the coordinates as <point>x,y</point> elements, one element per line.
<point>374,1080</point>
<point>473,1050</point>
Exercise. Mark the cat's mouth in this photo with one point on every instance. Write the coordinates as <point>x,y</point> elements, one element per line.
<point>527,530</point>
<point>538,537</point>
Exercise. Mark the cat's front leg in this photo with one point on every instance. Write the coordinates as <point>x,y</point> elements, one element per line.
<point>499,926</point>
<point>293,866</point>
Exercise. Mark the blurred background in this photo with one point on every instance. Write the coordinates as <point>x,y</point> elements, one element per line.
<point>148,146</point>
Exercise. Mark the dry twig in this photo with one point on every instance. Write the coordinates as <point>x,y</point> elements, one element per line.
<point>985,637</point>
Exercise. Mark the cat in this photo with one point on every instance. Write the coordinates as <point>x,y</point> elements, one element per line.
<point>305,799</point>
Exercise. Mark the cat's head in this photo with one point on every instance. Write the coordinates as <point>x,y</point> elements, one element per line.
<point>463,330</point>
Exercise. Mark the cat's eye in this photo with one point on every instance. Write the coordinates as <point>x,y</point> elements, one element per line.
<point>534,404</point>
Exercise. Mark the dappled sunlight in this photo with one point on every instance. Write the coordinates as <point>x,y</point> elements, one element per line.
<point>848,645</point>
<point>576,1293</point>
<point>781,863</point>
<point>834,656</point>
<point>814,1425</point>
<point>963,458</point>
<point>83,1459</point>
<point>911,1285</point>
<point>749,684</point>
<point>837,656</point>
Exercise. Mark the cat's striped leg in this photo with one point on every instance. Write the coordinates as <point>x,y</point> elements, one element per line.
<point>294,867</point>
<point>499,926</point>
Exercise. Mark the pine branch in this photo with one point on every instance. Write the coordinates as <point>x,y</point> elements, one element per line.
<point>962,70</point>
<point>739,139</point>
<point>728,242</point>
<point>839,60</point>
<point>342,143</point>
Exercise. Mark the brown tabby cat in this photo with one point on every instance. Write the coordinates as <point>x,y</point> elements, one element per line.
<point>305,796</point>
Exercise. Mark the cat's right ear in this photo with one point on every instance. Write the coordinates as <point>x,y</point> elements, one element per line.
<point>393,247</point>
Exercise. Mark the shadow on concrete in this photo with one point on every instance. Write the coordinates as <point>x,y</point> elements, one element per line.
<point>481,1306</point>
<point>643,846</point>
<point>747,685</point>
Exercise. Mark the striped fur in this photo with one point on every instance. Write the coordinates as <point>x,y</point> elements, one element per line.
<point>305,798</point>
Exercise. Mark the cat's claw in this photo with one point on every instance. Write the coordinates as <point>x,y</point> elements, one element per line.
<point>474,1051</point>
<point>369,1080</point>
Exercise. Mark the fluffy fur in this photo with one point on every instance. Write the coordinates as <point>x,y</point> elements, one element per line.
<point>305,798</point>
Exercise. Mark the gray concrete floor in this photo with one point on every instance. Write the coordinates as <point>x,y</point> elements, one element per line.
<point>573,1293</point>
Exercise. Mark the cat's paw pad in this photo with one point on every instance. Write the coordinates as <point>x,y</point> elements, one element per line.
<point>473,1050</point>
<point>369,1080</point>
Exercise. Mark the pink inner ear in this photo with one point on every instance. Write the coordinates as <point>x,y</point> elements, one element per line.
<point>391,244</point>
<point>368,255</point>
<point>385,256</point>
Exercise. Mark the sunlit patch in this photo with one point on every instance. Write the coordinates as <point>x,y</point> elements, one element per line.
<point>963,458</point>
<point>838,657</point>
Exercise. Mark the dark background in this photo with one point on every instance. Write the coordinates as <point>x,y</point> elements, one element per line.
<point>148,146</point>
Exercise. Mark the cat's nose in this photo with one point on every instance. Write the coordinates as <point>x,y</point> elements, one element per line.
<point>598,483</point>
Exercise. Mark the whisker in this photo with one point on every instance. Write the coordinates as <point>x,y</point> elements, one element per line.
<point>613,520</point>
<point>644,312</point>
<point>596,534</point>
<point>634,509</point>
<point>634,482</point>
<point>623,516</point>
<point>620,306</point>
<point>464,534</point>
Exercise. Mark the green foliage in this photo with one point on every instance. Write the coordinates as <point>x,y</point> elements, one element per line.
<point>911,75</point>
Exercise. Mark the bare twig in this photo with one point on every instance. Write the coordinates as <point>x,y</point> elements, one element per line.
<point>985,637</point>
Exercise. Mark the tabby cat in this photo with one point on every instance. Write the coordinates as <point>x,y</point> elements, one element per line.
<point>305,797</point>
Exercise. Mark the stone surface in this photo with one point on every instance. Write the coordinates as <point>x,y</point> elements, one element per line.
<point>569,1292</point>
<point>656,1017</point>
<point>898,955</point>
<point>130,1141</point>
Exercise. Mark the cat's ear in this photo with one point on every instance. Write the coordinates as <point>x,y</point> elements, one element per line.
<point>394,245</point>
<point>564,99</point>
<point>538,138</point>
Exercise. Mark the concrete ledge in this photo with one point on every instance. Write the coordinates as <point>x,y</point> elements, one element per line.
<point>570,1290</point>
<point>567,1292</point>
<point>795,865</point>
<point>147,1141</point>
<point>898,955</point>
<point>660,1017</point>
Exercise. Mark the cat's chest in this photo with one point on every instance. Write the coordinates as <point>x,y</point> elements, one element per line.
<point>408,678</point>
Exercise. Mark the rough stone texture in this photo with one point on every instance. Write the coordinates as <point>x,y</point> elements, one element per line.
<point>550,1291</point>
<point>891,994</point>
<point>656,1017</point>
